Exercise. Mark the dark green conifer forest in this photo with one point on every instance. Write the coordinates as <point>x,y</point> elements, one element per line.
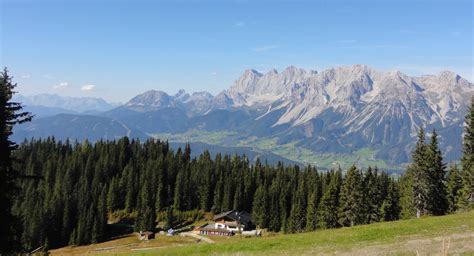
<point>82,183</point>
<point>76,187</point>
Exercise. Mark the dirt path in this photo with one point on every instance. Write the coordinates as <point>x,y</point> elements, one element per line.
<point>201,238</point>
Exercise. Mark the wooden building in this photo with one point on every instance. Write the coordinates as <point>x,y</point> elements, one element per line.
<point>228,224</point>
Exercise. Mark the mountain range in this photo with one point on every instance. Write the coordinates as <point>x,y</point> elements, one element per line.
<point>339,116</point>
<point>43,105</point>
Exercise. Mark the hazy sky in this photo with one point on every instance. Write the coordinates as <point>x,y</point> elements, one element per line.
<point>117,49</point>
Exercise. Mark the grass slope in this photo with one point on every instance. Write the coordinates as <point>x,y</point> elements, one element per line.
<point>401,237</point>
<point>426,236</point>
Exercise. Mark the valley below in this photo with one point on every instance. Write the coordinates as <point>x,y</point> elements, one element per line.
<point>363,157</point>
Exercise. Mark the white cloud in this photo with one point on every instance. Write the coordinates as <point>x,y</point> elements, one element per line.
<point>214,73</point>
<point>26,76</point>
<point>60,86</point>
<point>265,48</point>
<point>88,87</point>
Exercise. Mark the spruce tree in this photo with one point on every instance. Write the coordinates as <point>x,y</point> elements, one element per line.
<point>407,202</point>
<point>297,219</point>
<point>391,205</point>
<point>10,115</point>
<point>311,212</point>
<point>372,196</point>
<point>218,195</point>
<point>131,192</point>
<point>259,208</point>
<point>112,196</point>
<point>420,175</point>
<point>467,160</point>
<point>454,189</point>
<point>274,201</point>
<point>437,199</point>
<point>351,211</point>
<point>328,207</point>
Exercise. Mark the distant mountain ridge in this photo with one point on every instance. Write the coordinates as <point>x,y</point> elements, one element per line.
<point>75,104</point>
<point>196,103</point>
<point>335,111</point>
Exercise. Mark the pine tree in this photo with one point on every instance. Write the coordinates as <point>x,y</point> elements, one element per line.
<point>179,191</point>
<point>259,208</point>
<point>407,202</point>
<point>218,195</point>
<point>420,175</point>
<point>130,198</point>
<point>467,160</point>
<point>454,189</point>
<point>437,199</point>
<point>146,212</point>
<point>311,212</point>
<point>10,114</point>
<point>351,211</point>
<point>112,196</point>
<point>372,196</point>
<point>205,188</point>
<point>274,201</point>
<point>328,207</point>
<point>297,219</point>
<point>391,208</point>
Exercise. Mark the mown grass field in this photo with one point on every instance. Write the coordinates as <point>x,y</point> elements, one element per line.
<point>426,236</point>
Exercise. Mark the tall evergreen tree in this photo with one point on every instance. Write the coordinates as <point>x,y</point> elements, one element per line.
<point>437,198</point>
<point>467,160</point>
<point>297,219</point>
<point>372,196</point>
<point>328,207</point>
<point>10,114</point>
<point>454,189</point>
<point>390,208</point>
<point>274,208</point>
<point>407,202</point>
<point>311,212</point>
<point>351,208</point>
<point>259,209</point>
<point>420,175</point>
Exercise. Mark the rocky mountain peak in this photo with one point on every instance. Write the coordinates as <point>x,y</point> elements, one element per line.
<point>149,100</point>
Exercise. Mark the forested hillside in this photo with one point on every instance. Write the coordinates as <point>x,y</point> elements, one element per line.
<point>80,184</point>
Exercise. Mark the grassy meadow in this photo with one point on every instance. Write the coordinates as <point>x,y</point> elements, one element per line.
<point>427,236</point>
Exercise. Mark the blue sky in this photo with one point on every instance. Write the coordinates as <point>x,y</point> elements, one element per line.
<point>117,49</point>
